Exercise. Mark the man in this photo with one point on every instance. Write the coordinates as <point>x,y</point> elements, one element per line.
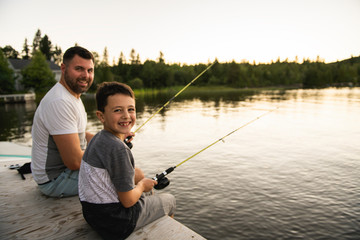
<point>58,131</point>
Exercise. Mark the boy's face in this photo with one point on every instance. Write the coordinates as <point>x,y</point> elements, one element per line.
<point>119,116</point>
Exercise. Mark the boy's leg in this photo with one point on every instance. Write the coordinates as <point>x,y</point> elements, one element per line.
<point>66,185</point>
<point>155,207</point>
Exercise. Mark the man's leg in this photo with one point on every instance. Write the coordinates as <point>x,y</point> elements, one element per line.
<point>66,185</point>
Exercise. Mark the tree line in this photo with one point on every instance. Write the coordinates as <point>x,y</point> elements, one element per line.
<point>158,74</point>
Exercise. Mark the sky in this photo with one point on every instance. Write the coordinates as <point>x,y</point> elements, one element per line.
<point>190,31</point>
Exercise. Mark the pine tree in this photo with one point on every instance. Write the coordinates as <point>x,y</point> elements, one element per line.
<point>57,55</point>
<point>132,57</point>
<point>161,58</point>
<point>26,50</point>
<point>122,59</point>
<point>46,47</point>
<point>36,42</point>
<point>105,60</point>
<point>7,81</point>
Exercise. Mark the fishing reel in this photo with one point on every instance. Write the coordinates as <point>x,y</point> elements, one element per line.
<point>163,181</point>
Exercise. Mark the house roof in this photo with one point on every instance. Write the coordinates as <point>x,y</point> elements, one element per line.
<point>19,64</point>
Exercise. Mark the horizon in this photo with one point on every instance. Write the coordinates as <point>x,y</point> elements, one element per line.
<point>191,32</point>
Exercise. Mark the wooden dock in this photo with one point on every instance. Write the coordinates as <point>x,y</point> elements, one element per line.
<point>17,98</point>
<point>25,213</point>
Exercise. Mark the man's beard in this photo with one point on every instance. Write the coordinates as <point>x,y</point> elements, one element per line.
<point>71,82</point>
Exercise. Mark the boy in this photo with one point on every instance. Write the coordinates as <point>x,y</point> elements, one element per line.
<point>110,190</point>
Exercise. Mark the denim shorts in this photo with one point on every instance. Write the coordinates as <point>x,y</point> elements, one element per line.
<point>65,185</point>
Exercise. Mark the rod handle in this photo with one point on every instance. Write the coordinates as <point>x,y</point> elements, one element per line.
<point>163,181</point>
<point>127,142</point>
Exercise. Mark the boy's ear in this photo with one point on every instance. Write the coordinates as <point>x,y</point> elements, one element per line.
<point>100,116</point>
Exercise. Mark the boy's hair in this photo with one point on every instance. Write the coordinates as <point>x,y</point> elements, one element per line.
<point>107,89</point>
<point>77,50</point>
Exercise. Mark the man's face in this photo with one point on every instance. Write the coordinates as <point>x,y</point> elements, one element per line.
<point>79,74</point>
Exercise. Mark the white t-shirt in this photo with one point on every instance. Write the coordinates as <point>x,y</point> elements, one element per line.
<point>58,113</point>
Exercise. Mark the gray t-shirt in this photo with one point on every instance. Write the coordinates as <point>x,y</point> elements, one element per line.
<point>107,167</point>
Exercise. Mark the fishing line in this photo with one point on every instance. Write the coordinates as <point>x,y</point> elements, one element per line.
<point>164,182</point>
<point>171,99</point>
<point>167,103</point>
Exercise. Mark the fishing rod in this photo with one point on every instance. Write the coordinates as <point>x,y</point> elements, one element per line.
<point>127,142</point>
<point>164,181</point>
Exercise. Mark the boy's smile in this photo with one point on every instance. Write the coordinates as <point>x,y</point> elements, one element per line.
<point>119,115</point>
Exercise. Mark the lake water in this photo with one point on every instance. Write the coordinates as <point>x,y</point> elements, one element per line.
<point>292,174</point>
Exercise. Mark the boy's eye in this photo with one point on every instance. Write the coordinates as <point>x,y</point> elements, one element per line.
<point>131,109</point>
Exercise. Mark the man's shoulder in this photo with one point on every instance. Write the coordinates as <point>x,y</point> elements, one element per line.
<point>57,98</point>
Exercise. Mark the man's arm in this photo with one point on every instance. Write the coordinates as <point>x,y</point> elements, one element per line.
<point>88,136</point>
<point>70,150</point>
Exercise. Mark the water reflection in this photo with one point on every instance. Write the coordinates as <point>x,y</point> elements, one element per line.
<point>293,174</point>
<point>16,121</point>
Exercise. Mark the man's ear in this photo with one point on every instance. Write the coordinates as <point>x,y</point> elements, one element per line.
<point>63,67</point>
<point>100,116</point>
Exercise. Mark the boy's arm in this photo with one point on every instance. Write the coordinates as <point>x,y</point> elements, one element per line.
<point>138,175</point>
<point>128,199</point>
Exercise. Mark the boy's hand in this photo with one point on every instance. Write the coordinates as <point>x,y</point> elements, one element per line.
<point>148,184</point>
<point>129,136</point>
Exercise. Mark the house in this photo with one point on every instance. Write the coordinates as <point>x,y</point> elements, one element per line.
<point>18,64</point>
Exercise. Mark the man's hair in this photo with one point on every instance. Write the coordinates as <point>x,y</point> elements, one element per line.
<point>77,50</point>
<point>107,89</point>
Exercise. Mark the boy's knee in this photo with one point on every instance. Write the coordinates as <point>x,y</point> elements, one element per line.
<point>169,203</point>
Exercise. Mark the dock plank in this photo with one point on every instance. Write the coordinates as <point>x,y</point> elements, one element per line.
<point>25,213</point>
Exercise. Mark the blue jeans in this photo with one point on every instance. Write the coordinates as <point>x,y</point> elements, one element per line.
<point>66,185</point>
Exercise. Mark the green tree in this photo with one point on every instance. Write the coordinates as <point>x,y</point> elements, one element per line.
<point>132,57</point>
<point>103,71</point>
<point>105,60</point>
<point>7,81</point>
<point>122,59</point>
<point>136,83</point>
<point>96,59</point>
<point>36,42</point>
<point>121,68</point>
<point>26,50</point>
<point>46,47</point>
<point>10,52</point>
<point>161,58</point>
<point>233,74</point>
<point>38,75</point>
<point>57,55</point>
